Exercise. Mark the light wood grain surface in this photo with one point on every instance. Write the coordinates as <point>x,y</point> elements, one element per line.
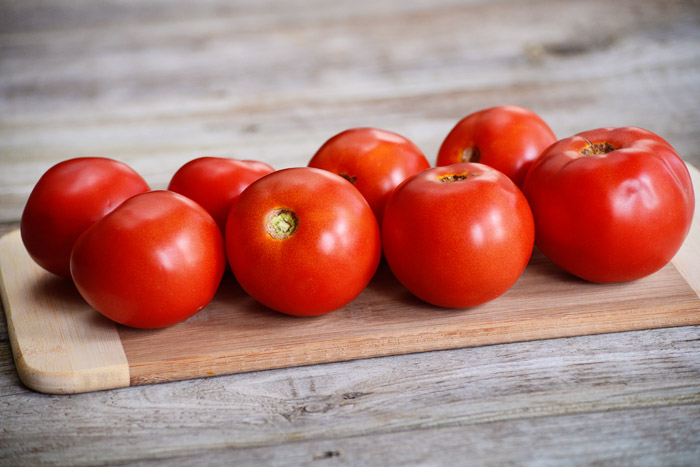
<point>61,345</point>
<point>156,83</point>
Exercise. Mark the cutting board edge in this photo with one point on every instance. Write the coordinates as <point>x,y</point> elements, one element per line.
<point>143,373</point>
<point>687,260</point>
<point>98,365</point>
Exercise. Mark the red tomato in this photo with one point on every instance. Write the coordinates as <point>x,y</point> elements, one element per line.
<point>610,205</point>
<point>216,182</point>
<point>154,261</point>
<point>458,236</point>
<point>68,199</point>
<point>507,138</point>
<point>374,160</point>
<point>302,241</point>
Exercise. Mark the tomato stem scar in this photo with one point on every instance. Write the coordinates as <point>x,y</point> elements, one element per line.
<point>471,154</point>
<point>597,149</point>
<point>348,178</point>
<point>457,177</point>
<point>282,223</point>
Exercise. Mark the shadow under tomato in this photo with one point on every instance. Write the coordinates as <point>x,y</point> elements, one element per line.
<point>51,295</point>
<point>57,293</point>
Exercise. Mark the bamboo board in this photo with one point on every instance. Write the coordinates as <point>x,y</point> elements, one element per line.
<point>61,345</point>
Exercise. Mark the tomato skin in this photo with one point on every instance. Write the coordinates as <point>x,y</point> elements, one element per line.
<point>611,217</point>
<point>69,198</point>
<point>325,263</point>
<point>375,161</point>
<point>458,244</point>
<point>154,261</point>
<point>216,182</point>
<point>508,139</point>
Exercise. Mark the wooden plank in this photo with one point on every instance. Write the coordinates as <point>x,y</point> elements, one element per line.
<point>639,388</point>
<point>4,229</point>
<point>236,334</point>
<point>157,85</point>
<point>664,436</point>
<point>60,344</point>
<point>687,260</point>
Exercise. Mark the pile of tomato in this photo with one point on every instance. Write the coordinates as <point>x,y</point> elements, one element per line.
<point>607,205</point>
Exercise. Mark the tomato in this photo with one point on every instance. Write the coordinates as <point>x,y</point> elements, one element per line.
<point>216,182</point>
<point>610,205</point>
<point>69,198</point>
<point>507,138</point>
<point>458,236</point>
<point>154,261</point>
<point>302,241</point>
<point>373,160</point>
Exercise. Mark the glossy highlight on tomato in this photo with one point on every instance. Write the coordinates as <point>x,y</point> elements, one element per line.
<point>216,182</point>
<point>507,138</point>
<point>302,241</point>
<point>611,204</point>
<point>458,236</point>
<point>154,261</point>
<point>69,198</point>
<point>373,160</point>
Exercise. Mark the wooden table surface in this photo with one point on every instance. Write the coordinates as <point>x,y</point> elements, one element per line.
<point>157,83</point>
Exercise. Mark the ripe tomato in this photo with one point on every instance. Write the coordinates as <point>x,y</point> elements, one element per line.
<point>302,241</point>
<point>507,138</point>
<point>69,198</point>
<point>610,205</point>
<point>154,261</point>
<point>216,182</point>
<point>458,236</point>
<point>373,160</point>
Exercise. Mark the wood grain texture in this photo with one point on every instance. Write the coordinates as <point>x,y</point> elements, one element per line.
<point>640,390</point>
<point>234,333</point>
<point>157,83</point>
<point>540,441</point>
<point>687,260</point>
<point>59,343</point>
<point>4,229</point>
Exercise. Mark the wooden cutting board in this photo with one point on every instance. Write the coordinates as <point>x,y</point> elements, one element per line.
<point>61,345</point>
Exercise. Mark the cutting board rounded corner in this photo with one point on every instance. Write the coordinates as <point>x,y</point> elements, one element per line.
<point>59,346</point>
<point>50,381</point>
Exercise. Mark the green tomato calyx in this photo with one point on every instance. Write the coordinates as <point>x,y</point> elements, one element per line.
<point>282,223</point>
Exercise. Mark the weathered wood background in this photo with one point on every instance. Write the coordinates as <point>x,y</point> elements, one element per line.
<point>156,83</point>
